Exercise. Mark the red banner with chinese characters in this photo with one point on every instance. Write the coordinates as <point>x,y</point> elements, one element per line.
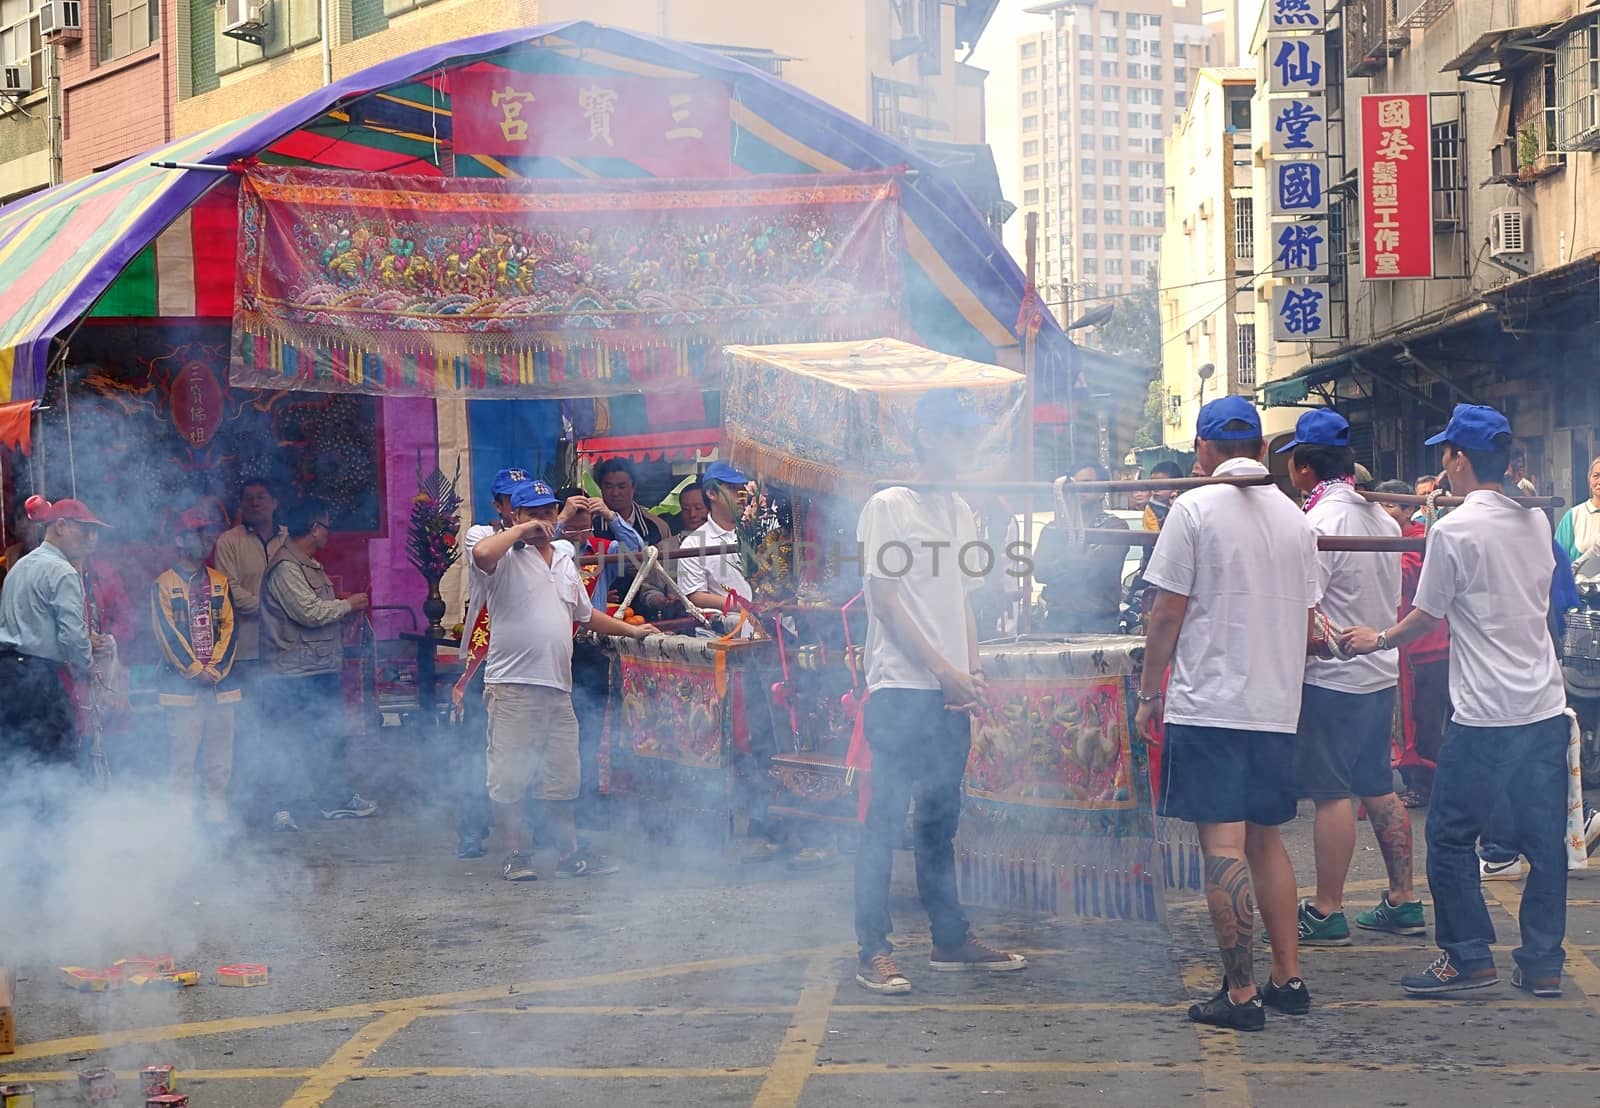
<point>1396,187</point>
<point>670,128</point>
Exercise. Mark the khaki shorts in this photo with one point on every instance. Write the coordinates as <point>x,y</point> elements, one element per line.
<point>533,743</point>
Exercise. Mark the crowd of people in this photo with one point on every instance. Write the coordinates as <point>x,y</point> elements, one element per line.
<point>1275,668</point>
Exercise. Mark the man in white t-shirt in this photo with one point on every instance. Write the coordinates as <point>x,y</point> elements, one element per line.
<point>1347,705</point>
<point>1487,570</point>
<point>710,581</point>
<point>923,682</point>
<point>1235,572</point>
<point>536,595</point>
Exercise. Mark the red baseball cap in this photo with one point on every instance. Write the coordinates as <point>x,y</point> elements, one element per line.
<point>41,510</point>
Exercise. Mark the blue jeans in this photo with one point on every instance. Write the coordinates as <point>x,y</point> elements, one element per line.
<point>1526,767</point>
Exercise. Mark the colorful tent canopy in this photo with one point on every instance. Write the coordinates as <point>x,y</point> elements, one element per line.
<point>63,249</point>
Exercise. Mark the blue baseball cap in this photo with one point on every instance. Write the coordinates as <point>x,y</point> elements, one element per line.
<point>1474,427</point>
<point>532,494</point>
<point>947,410</point>
<point>1212,426</point>
<point>1319,427</point>
<point>724,473</point>
<point>506,481</point>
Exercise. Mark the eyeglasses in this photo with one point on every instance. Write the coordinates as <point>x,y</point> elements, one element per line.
<point>322,525</point>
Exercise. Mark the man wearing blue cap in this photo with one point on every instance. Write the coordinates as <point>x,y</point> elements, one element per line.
<point>1487,570</point>
<point>472,804</point>
<point>536,594</point>
<point>708,582</point>
<point>923,683</point>
<point>1235,572</point>
<point>1347,705</point>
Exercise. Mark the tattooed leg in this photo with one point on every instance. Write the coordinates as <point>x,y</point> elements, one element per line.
<point>1392,825</point>
<point>1233,917</point>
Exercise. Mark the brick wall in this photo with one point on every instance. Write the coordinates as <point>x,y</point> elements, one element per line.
<point>278,80</point>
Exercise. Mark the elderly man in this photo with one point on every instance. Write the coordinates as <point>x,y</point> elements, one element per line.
<point>43,635</point>
<point>303,647</point>
<point>535,591</point>
<point>1235,571</point>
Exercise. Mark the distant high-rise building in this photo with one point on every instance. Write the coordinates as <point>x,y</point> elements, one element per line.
<point>1098,92</point>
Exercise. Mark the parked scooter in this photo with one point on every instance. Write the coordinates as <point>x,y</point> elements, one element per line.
<point>1580,670</point>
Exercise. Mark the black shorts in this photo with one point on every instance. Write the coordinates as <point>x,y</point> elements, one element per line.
<point>1344,743</point>
<point>1219,775</point>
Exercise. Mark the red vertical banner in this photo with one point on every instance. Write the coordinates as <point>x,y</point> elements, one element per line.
<point>1396,187</point>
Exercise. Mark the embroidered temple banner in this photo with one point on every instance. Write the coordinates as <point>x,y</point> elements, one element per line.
<point>456,286</point>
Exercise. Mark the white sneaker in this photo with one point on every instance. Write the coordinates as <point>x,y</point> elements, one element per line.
<point>1500,871</point>
<point>1591,829</point>
<point>283,821</point>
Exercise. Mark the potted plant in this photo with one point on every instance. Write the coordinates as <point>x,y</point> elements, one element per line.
<point>1527,151</point>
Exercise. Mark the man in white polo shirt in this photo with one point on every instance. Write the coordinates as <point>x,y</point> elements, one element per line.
<point>1487,570</point>
<point>1235,571</point>
<point>535,594</point>
<point>1347,705</point>
<point>710,582</point>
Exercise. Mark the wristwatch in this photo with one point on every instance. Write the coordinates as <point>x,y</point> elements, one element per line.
<point>1151,699</point>
<point>1383,640</point>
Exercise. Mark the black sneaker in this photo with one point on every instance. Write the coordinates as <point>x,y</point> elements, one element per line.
<point>1221,1011</point>
<point>1547,987</point>
<point>583,863</point>
<point>1292,998</point>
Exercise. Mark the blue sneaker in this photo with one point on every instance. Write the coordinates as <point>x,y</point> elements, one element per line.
<point>469,846</point>
<point>1444,978</point>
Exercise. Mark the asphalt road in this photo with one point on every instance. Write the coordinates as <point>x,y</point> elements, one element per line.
<point>402,976</point>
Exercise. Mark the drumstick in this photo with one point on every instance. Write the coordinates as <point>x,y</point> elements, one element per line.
<point>694,609</point>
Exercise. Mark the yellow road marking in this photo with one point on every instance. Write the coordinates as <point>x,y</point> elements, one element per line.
<point>1580,967</point>
<point>343,1063</point>
<point>881,1068</point>
<point>786,1079</point>
<point>655,1073</point>
<point>613,1010</point>
<point>1221,1071</point>
<point>45,1077</point>
<point>82,1044</point>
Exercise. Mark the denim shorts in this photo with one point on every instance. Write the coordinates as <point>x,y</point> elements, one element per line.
<point>1221,775</point>
<point>1345,743</point>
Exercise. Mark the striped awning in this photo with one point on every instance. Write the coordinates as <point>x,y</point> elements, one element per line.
<point>142,242</point>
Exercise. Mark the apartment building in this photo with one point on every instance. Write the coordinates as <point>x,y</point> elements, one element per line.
<point>1510,101</point>
<point>1099,87</point>
<point>1208,254</point>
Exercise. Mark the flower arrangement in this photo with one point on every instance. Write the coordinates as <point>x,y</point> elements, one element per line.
<point>435,519</point>
<point>766,546</point>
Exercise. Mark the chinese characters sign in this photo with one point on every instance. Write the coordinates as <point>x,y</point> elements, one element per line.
<point>1299,126</point>
<point>1298,187</point>
<point>1300,313</point>
<point>1297,64</point>
<point>1297,15</point>
<point>1396,188</point>
<point>670,128</point>
<point>1300,249</point>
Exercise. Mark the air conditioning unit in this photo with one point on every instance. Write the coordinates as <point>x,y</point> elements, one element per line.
<point>245,19</point>
<point>61,19</point>
<point>16,80</point>
<point>1508,232</point>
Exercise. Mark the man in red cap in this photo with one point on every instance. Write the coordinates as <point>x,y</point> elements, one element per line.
<point>192,608</point>
<point>43,634</point>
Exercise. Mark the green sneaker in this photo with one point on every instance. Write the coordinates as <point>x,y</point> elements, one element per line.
<point>1396,919</point>
<point>1332,931</point>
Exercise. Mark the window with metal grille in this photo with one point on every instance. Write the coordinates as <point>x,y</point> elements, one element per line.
<point>1578,89</point>
<point>1244,350</point>
<point>1244,229</point>
<point>1447,172</point>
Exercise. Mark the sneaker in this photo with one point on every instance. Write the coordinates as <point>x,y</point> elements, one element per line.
<point>517,868</point>
<point>975,955</point>
<point>1539,986</point>
<point>759,850</point>
<point>1330,930</point>
<point>283,821</point>
<point>1591,829</point>
<point>358,807</point>
<point>469,846</point>
<point>879,974</point>
<point>1292,998</point>
<point>1221,1011</point>
<point>812,857</point>
<point>1396,919</point>
<point>1500,871</point>
<point>583,863</point>
<point>1444,977</point>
